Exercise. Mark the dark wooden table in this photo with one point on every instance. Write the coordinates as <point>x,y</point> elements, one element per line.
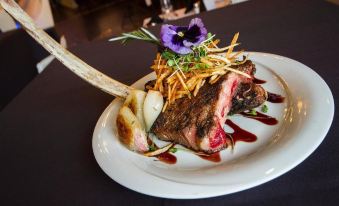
<point>46,131</point>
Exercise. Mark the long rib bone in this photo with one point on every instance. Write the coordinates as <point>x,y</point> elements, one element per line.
<point>71,61</point>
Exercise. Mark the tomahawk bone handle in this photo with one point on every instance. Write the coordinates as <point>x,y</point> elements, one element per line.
<point>72,62</point>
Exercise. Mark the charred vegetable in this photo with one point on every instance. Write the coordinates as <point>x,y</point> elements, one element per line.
<point>131,132</point>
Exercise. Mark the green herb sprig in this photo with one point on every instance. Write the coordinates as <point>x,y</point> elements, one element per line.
<point>140,34</point>
<point>253,112</point>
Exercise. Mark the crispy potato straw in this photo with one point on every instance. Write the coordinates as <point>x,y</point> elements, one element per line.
<point>174,82</point>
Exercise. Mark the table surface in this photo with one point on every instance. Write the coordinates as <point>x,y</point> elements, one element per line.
<point>46,131</point>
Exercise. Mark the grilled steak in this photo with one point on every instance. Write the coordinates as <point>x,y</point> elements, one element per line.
<point>248,96</point>
<point>197,123</point>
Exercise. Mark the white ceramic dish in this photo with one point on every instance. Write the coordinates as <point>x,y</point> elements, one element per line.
<point>304,120</point>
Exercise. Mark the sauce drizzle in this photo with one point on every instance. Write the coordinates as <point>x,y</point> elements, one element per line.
<point>261,118</point>
<point>275,98</point>
<point>166,157</point>
<point>240,134</point>
<point>215,157</point>
<point>258,81</point>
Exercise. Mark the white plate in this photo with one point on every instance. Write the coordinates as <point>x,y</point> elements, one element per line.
<point>304,119</point>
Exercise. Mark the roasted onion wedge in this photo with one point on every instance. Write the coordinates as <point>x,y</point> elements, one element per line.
<point>153,104</point>
<point>135,101</point>
<point>131,133</point>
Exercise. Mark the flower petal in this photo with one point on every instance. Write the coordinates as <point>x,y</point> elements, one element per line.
<point>167,34</point>
<point>197,22</point>
<point>180,39</point>
<point>180,28</point>
<point>171,40</point>
<point>196,33</point>
<point>176,45</point>
<point>166,30</point>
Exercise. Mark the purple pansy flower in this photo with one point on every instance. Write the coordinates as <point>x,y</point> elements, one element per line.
<point>180,39</point>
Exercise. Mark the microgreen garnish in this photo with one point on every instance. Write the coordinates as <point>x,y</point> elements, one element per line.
<point>173,149</point>
<point>170,62</point>
<point>152,148</point>
<point>253,112</point>
<point>264,108</point>
<point>167,54</point>
<point>186,62</point>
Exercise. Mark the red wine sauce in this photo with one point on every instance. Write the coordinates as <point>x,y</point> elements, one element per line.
<point>240,134</point>
<point>215,157</point>
<point>258,81</point>
<point>261,118</point>
<point>275,98</point>
<point>166,157</point>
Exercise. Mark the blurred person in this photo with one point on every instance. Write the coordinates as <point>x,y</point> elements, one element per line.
<point>38,10</point>
<point>6,21</point>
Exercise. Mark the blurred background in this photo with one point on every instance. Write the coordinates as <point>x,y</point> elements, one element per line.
<point>88,20</point>
<point>74,22</point>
